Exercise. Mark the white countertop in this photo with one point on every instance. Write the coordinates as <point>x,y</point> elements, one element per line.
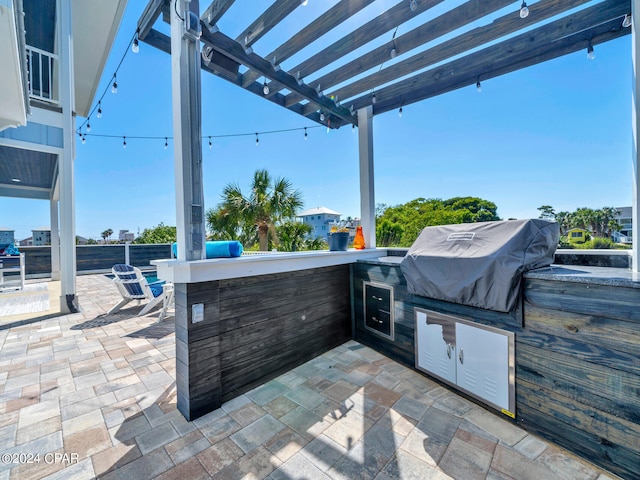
<point>180,271</point>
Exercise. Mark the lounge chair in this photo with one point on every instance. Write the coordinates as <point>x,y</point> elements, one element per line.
<point>132,285</point>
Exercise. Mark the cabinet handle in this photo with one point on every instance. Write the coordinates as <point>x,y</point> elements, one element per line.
<point>384,311</point>
<point>449,350</point>
<point>376,298</point>
<point>376,320</point>
<point>461,357</point>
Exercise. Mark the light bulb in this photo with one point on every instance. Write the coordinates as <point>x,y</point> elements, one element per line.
<point>413,5</point>
<point>590,53</point>
<point>88,125</point>
<point>373,99</point>
<point>114,87</point>
<point>478,86</point>
<point>99,114</point>
<point>524,10</point>
<point>265,87</point>
<point>304,3</point>
<point>166,144</point>
<point>135,48</point>
<point>400,112</point>
<point>124,142</point>
<point>353,128</point>
<point>210,145</point>
<point>393,53</point>
<point>321,117</point>
<point>305,133</point>
<point>84,140</point>
<point>257,140</point>
<point>626,22</point>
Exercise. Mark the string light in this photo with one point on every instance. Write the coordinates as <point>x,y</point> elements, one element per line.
<point>84,139</point>
<point>478,86</point>
<point>626,21</point>
<point>166,144</point>
<point>210,144</point>
<point>88,124</point>
<point>413,5</point>
<point>124,142</point>
<point>400,112</point>
<point>135,48</point>
<point>99,114</point>
<point>265,87</point>
<point>353,127</point>
<point>257,140</point>
<point>524,10</point>
<point>305,133</point>
<point>114,86</point>
<point>393,52</point>
<point>304,3</point>
<point>590,53</point>
<point>373,99</point>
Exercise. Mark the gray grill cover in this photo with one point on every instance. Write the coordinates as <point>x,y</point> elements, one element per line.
<point>478,264</point>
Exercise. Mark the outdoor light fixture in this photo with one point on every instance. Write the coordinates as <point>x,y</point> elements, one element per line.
<point>88,124</point>
<point>166,144</point>
<point>478,86</point>
<point>626,22</point>
<point>135,48</point>
<point>524,10</point>
<point>99,114</point>
<point>413,5</point>
<point>265,87</point>
<point>590,54</point>
<point>114,87</point>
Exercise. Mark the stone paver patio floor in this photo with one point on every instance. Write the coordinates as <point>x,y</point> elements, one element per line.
<point>89,395</point>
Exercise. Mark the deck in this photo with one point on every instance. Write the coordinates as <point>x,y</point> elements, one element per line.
<point>101,389</point>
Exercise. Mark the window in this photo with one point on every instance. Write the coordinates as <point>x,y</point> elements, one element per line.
<point>576,234</point>
<point>324,227</point>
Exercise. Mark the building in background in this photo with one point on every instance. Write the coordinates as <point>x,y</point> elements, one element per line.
<point>320,219</point>
<point>126,236</point>
<point>7,236</point>
<point>41,236</point>
<point>624,219</point>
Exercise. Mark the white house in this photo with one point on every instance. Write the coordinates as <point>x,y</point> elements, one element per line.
<point>624,217</point>
<point>41,236</point>
<point>6,236</point>
<point>320,219</point>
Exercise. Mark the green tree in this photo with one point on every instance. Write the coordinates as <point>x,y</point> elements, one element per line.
<point>400,225</point>
<point>271,201</point>
<point>160,234</point>
<point>294,237</point>
<point>106,234</point>
<point>547,212</point>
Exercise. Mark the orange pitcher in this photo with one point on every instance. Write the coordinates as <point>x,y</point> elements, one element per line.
<point>358,242</point>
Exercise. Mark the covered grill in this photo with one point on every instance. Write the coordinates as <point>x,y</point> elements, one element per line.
<point>479,264</point>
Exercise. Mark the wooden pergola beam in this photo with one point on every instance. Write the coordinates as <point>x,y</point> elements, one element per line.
<point>215,11</point>
<point>321,25</point>
<point>148,18</point>
<point>491,62</point>
<point>477,37</point>
<point>235,51</point>
<point>371,30</point>
<point>265,22</point>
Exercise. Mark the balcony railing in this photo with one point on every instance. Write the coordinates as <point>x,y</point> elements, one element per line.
<point>42,67</point>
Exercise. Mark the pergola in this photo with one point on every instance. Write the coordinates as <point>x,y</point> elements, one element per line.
<point>442,46</point>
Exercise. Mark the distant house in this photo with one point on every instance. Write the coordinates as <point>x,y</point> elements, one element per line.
<point>27,242</point>
<point>577,235</point>
<point>625,221</point>
<point>41,236</point>
<point>6,236</point>
<point>320,219</point>
<point>126,236</point>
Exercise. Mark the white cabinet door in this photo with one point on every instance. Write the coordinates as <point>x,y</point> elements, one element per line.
<point>436,345</point>
<point>483,364</point>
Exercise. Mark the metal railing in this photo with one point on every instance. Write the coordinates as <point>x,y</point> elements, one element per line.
<point>42,67</point>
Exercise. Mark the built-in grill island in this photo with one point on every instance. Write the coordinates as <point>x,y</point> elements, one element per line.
<point>554,348</point>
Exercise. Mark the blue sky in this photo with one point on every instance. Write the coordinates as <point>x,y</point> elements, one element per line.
<point>554,134</point>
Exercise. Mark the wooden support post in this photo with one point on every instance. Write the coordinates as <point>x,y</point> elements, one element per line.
<point>367,187</point>
<point>635,123</point>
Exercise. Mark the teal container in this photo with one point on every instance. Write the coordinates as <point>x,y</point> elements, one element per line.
<point>338,241</point>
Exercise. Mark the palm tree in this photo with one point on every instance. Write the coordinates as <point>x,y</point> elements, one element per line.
<point>270,201</point>
<point>106,234</point>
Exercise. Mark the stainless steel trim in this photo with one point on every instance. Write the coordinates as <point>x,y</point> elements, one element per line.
<point>391,308</point>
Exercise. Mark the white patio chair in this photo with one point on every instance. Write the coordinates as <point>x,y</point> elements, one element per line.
<point>132,285</point>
